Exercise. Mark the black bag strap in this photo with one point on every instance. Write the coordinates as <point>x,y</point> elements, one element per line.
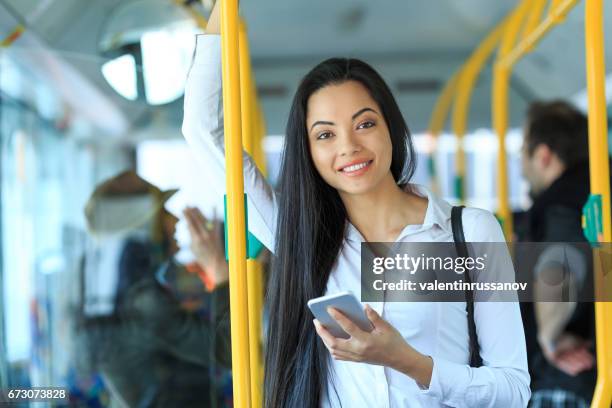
<point>462,251</point>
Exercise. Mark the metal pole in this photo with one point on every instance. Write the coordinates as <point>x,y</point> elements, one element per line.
<point>247,98</point>
<point>467,79</point>
<point>235,204</point>
<point>501,84</point>
<point>600,185</point>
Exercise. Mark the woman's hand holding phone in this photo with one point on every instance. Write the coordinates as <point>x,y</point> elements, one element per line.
<point>384,346</point>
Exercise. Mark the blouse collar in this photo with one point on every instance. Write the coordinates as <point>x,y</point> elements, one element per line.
<point>438,213</point>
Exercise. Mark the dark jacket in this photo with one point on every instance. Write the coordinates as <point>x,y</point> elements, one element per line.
<point>152,352</point>
<point>556,217</point>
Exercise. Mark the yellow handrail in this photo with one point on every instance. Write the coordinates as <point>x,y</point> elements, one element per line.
<point>235,204</point>
<point>246,94</point>
<point>598,146</point>
<point>254,272</point>
<point>509,54</point>
<point>600,184</point>
<point>526,16</point>
<point>465,85</point>
<point>442,106</point>
<point>258,155</point>
<point>534,18</point>
<point>260,131</point>
<point>555,4</point>
<point>438,119</point>
<point>555,16</point>
<point>501,83</point>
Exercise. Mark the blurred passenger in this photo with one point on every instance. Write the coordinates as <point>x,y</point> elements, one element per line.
<point>560,335</point>
<point>161,345</point>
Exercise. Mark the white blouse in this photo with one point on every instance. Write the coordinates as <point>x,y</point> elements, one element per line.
<point>435,329</point>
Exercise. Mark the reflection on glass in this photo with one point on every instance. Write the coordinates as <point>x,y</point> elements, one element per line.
<point>166,55</point>
<point>158,36</point>
<point>160,335</point>
<point>120,73</point>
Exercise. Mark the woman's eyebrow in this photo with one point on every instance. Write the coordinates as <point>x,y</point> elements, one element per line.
<point>355,115</point>
<point>321,122</point>
<point>359,112</point>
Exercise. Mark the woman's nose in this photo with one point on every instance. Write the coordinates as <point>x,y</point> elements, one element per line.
<point>348,144</point>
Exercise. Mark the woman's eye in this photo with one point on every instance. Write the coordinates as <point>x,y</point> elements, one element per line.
<point>366,125</point>
<point>323,135</point>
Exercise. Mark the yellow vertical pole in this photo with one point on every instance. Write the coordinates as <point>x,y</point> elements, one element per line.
<point>260,132</point>
<point>442,106</point>
<point>463,95</point>
<point>248,110</point>
<point>235,204</point>
<point>246,95</point>
<point>459,128</point>
<point>501,78</point>
<point>600,184</point>
<point>501,84</point>
<point>460,170</point>
<point>437,121</point>
<point>259,129</point>
<point>258,155</point>
<point>255,295</point>
<point>260,159</point>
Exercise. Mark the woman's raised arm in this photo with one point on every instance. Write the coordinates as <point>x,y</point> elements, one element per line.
<point>203,130</point>
<point>213,26</point>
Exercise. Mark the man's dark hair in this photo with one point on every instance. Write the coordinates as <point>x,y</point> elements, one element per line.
<point>559,126</point>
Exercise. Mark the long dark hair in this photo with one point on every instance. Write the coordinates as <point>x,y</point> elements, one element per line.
<point>310,229</point>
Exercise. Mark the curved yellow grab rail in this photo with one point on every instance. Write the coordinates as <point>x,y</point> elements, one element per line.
<point>509,54</point>
<point>555,5</point>
<point>600,184</point>
<point>533,19</point>
<point>437,121</point>
<point>254,272</point>
<point>442,106</point>
<point>464,87</point>
<point>600,172</point>
<point>235,204</point>
<point>558,11</point>
<point>501,84</point>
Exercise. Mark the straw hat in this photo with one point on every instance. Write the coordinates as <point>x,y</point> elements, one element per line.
<point>124,203</point>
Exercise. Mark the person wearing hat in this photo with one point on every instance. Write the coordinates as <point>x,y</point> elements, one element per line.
<point>167,335</point>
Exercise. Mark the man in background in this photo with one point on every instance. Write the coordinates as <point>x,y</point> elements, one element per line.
<point>560,335</point>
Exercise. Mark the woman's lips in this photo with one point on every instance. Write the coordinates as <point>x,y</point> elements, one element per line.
<point>356,169</point>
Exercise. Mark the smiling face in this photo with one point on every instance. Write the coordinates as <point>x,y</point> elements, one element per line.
<point>348,137</point>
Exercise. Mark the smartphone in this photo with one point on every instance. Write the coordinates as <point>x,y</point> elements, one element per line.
<point>346,303</point>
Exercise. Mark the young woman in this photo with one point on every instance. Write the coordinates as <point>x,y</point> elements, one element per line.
<point>346,163</point>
